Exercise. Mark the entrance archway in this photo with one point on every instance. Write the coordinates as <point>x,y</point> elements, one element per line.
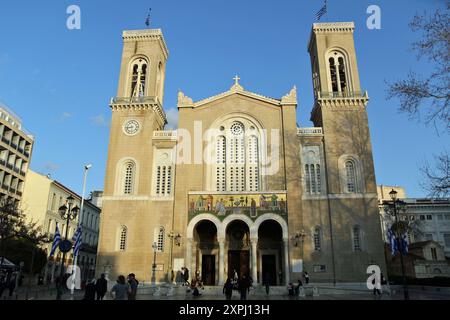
<point>238,248</point>
<point>270,248</point>
<point>206,258</point>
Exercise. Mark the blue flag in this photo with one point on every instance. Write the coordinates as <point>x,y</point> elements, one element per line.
<point>392,241</point>
<point>322,11</point>
<point>56,241</point>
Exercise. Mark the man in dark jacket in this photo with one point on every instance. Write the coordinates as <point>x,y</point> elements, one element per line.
<point>228,289</point>
<point>186,276</point>
<point>101,287</point>
<point>89,293</point>
<point>244,287</point>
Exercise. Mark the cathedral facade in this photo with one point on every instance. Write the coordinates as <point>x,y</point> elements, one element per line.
<point>239,187</point>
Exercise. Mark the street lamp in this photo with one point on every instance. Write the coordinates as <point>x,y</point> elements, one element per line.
<point>396,206</point>
<point>155,247</point>
<point>68,213</point>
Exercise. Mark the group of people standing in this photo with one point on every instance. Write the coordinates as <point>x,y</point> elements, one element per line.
<point>124,289</point>
<point>8,281</point>
<point>243,285</point>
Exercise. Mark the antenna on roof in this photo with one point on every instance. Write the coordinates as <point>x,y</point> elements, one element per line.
<point>148,20</point>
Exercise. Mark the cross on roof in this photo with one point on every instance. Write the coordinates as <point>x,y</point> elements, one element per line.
<point>236,80</point>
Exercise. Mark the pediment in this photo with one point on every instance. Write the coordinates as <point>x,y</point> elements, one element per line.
<point>237,90</point>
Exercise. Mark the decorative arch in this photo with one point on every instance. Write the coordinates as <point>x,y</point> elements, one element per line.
<point>121,176</point>
<point>244,142</point>
<point>359,185</point>
<point>337,60</point>
<point>233,217</point>
<point>201,217</point>
<point>138,74</point>
<point>266,217</point>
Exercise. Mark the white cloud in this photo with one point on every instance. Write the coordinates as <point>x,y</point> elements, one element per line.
<point>65,115</point>
<point>172,119</point>
<point>99,121</point>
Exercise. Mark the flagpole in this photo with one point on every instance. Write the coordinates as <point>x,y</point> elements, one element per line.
<point>80,223</point>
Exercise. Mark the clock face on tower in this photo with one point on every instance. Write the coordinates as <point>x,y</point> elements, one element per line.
<point>131,127</point>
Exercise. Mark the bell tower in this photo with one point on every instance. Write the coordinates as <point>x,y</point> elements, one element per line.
<point>128,218</point>
<point>340,110</point>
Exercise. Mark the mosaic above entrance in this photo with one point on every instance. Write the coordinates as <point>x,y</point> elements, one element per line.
<point>252,205</point>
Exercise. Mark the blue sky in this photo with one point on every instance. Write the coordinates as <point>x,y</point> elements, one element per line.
<point>60,81</point>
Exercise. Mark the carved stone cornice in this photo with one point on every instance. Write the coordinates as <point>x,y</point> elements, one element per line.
<point>138,104</point>
<point>184,101</point>
<point>147,35</point>
<point>290,98</point>
<point>334,27</point>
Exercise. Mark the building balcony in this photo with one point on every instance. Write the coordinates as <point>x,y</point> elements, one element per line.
<point>134,100</point>
<point>342,95</point>
<point>165,135</point>
<point>310,132</point>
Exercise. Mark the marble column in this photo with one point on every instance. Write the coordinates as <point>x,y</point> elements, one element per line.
<point>221,261</point>
<point>255,260</point>
<point>286,260</point>
<point>189,256</point>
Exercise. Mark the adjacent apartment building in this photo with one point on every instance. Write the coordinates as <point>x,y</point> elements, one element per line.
<point>429,218</point>
<point>16,145</point>
<point>42,198</point>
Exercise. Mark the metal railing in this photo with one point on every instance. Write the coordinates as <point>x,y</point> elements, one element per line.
<point>133,100</point>
<point>342,94</point>
<point>310,131</point>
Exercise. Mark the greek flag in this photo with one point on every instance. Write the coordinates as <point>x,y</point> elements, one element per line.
<point>56,241</point>
<point>322,11</point>
<point>405,243</point>
<point>78,240</point>
<point>392,241</point>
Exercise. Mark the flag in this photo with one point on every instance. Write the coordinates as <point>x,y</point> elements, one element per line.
<point>392,241</point>
<point>322,11</point>
<point>405,243</point>
<point>78,240</point>
<point>56,241</point>
<point>147,22</point>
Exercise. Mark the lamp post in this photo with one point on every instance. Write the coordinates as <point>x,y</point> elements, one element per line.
<point>396,203</point>
<point>177,238</point>
<point>155,247</point>
<point>67,213</point>
<point>80,224</point>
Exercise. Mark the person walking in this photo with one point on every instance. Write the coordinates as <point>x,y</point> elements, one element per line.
<point>228,289</point>
<point>89,293</point>
<point>244,287</point>
<point>186,276</point>
<point>12,284</point>
<point>101,286</point>
<point>121,289</point>
<point>266,283</point>
<point>133,286</point>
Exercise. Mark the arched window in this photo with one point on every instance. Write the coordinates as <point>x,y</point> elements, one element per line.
<point>236,158</point>
<point>342,75</point>
<point>138,78</point>
<point>338,73</point>
<point>123,238</point>
<point>236,179</point>
<point>128,177</point>
<point>333,75</point>
<point>356,238</point>
<point>351,176</point>
<point>253,163</point>
<point>317,239</point>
